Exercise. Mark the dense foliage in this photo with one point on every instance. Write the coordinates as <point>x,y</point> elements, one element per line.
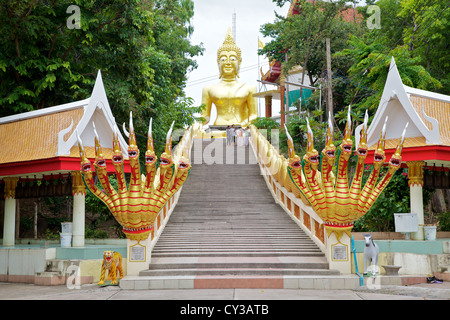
<point>50,52</point>
<point>143,49</point>
<point>414,32</point>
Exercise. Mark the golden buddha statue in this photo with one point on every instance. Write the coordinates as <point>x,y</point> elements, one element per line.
<point>234,100</point>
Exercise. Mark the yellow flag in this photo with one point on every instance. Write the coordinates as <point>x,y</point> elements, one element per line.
<point>261,44</point>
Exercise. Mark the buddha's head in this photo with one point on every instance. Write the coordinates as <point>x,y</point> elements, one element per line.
<point>229,57</point>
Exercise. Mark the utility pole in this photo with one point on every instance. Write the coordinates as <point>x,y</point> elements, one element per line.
<point>329,88</point>
<point>234,25</point>
<point>287,92</point>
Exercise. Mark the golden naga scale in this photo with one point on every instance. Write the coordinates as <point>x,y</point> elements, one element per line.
<point>336,201</point>
<point>137,206</point>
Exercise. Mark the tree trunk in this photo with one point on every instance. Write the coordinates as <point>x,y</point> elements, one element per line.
<point>329,88</point>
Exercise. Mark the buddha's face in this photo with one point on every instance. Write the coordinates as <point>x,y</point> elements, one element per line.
<point>228,63</point>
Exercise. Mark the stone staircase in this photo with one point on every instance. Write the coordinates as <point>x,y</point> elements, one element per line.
<point>227,231</point>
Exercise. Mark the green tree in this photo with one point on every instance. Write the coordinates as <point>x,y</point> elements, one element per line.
<point>427,34</point>
<point>266,124</point>
<point>142,48</point>
<point>300,39</point>
<point>394,199</point>
<point>369,73</point>
<point>414,33</point>
<point>99,213</point>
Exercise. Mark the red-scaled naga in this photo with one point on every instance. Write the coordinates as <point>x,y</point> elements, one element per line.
<point>135,207</point>
<point>336,200</point>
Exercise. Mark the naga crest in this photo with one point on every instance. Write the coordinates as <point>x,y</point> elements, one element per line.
<point>135,207</point>
<point>336,200</point>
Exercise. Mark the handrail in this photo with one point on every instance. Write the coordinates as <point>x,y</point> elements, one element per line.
<point>361,279</point>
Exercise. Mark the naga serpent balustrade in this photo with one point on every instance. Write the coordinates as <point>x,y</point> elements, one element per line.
<point>337,202</point>
<point>135,207</point>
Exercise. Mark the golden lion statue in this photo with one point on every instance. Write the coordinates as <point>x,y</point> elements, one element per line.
<point>112,261</point>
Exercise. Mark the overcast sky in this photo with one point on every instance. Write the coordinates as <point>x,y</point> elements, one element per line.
<point>211,21</point>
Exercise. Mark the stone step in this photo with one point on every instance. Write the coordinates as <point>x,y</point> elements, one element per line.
<point>228,240</point>
<point>264,233</point>
<point>199,248</point>
<point>240,262</point>
<point>233,253</point>
<point>244,252</point>
<point>236,271</point>
<point>217,153</point>
<point>49,274</point>
<point>323,282</point>
<point>235,234</point>
<point>199,233</point>
<point>49,278</point>
<point>228,231</point>
<point>229,247</point>
<point>220,243</point>
<point>232,244</point>
<point>234,239</point>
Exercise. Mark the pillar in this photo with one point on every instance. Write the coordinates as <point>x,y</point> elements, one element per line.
<point>268,100</point>
<point>339,251</point>
<point>9,225</point>
<point>78,218</point>
<point>415,181</point>
<point>138,255</point>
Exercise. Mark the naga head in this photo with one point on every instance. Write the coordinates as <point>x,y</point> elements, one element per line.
<point>183,161</point>
<point>136,207</point>
<point>117,157</point>
<point>99,162</point>
<point>183,168</point>
<point>379,155</point>
<point>361,150</point>
<point>86,166</point>
<point>347,143</point>
<point>150,155</point>
<point>311,156</point>
<point>166,157</point>
<point>133,151</point>
<point>396,158</point>
<point>329,152</point>
<point>294,160</point>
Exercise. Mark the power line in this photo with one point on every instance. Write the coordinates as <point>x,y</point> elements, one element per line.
<point>209,78</point>
<point>253,66</point>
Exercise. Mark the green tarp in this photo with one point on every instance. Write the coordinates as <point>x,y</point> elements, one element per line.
<point>295,94</point>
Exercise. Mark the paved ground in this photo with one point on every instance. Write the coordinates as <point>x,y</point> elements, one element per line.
<point>225,301</point>
<point>14,291</point>
<point>222,303</point>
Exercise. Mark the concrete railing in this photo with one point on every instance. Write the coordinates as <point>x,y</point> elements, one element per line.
<point>274,169</point>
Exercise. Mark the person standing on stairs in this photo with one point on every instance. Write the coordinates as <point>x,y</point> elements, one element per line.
<point>246,136</point>
<point>228,135</point>
<point>233,135</point>
<point>240,138</point>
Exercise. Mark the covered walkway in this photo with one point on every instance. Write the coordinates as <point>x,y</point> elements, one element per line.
<point>40,157</point>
